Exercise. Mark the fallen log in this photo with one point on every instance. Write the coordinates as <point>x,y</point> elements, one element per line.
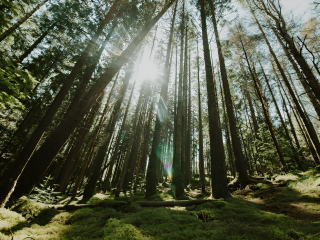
<point>115,204</point>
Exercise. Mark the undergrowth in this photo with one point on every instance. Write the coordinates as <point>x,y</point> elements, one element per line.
<point>231,219</point>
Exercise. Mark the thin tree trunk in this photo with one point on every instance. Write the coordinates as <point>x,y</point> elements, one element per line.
<point>69,122</point>
<point>124,171</point>
<point>188,132</point>
<point>22,20</point>
<point>184,106</point>
<point>300,76</point>
<point>288,137</point>
<point>88,193</point>
<point>38,41</point>
<point>253,115</point>
<point>201,158</point>
<point>151,178</point>
<point>282,28</point>
<point>266,112</point>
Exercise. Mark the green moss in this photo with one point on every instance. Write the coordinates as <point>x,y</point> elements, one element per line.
<point>155,197</point>
<point>28,209</point>
<point>117,230</point>
<point>8,219</point>
<point>131,208</point>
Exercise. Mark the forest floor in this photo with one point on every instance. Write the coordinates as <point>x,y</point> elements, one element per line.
<point>288,207</point>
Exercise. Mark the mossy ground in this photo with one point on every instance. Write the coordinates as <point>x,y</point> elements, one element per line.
<point>250,214</point>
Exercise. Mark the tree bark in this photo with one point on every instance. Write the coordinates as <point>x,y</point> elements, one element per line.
<point>201,158</point>
<point>300,76</point>
<point>68,124</point>
<point>236,144</point>
<point>218,172</point>
<point>266,112</point>
<point>287,135</point>
<point>22,20</point>
<point>25,155</point>
<point>38,41</point>
<point>282,28</point>
<point>253,115</point>
<point>151,178</point>
<point>88,193</point>
<point>126,163</point>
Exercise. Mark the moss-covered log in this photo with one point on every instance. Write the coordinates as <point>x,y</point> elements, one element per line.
<point>122,203</point>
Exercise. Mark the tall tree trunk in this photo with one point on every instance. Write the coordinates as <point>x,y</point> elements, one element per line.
<point>22,20</point>
<point>284,126</point>
<point>253,115</point>
<point>88,192</point>
<point>39,40</point>
<point>314,86</point>
<point>69,122</point>
<point>106,184</point>
<point>201,158</point>
<point>307,88</point>
<point>131,139</point>
<point>151,178</point>
<point>236,144</point>
<point>283,31</point>
<point>75,157</point>
<point>184,106</point>
<point>25,154</point>
<point>218,172</point>
<point>177,180</point>
<point>188,132</point>
<point>266,112</point>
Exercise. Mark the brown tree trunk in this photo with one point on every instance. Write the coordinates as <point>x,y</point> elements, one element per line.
<point>307,88</point>
<point>253,115</point>
<point>151,178</point>
<point>282,29</point>
<point>188,131</point>
<point>201,158</point>
<point>68,124</point>
<point>266,112</point>
<point>125,169</point>
<point>39,40</point>
<point>88,192</point>
<point>287,135</point>
<point>236,144</point>
<point>218,172</point>
<point>184,106</point>
<point>22,20</point>
<point>177,180</point>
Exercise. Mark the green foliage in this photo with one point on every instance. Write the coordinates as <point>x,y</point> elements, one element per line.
<point>15,85</point>
<point>46,194</point>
